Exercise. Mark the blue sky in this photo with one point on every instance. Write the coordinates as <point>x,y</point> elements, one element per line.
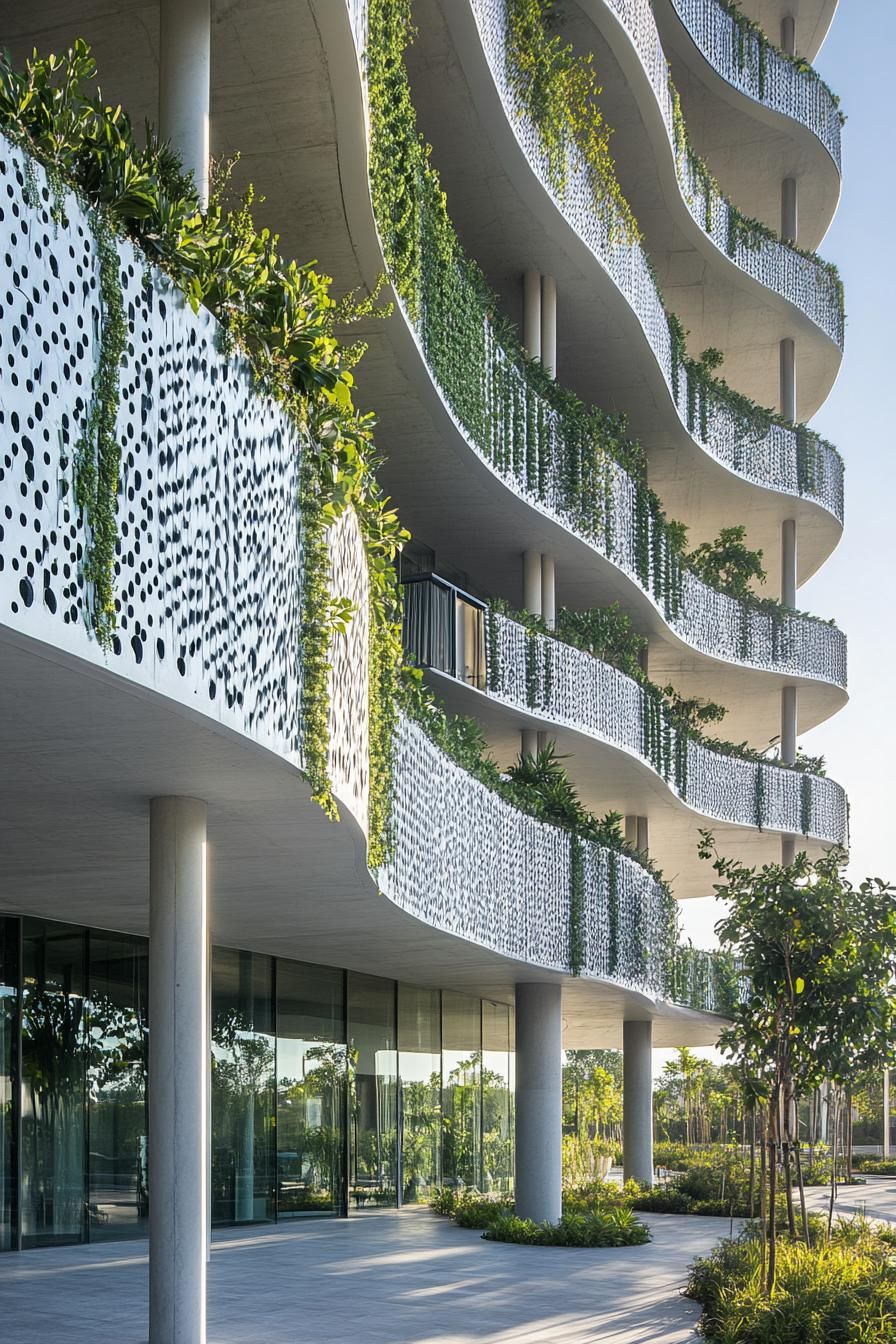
<point>856,586</point>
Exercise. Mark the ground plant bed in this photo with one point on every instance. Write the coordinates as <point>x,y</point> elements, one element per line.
<point>590,1217</point>
<point>841,1291</point>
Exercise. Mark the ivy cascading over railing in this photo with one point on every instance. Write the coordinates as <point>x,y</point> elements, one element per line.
<point>749,441</point>
<point>534,892</point>
<point>804,280</point>
<point>740,52</point>
<point>570,687</point>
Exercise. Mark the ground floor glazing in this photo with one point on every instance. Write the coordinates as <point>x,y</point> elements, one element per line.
<point>331,1090</point>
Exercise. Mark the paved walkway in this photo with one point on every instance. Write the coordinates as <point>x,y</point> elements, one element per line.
<point>387,1278</point>
<point>378,1278</point>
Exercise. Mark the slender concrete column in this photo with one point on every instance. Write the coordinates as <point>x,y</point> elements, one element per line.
<point>178,1070</point>
<point>549,324</point>
<point>790,218</point>
<point>886,1112</point>
<point>788,379</point>
<point>529,741</point>
<point>637,834</point>
<point>788,35</point>
<point>539,1102</point>
<point>184,82</point>
<point>548,591</point>
<point>788,693</point>
<point>637,1101</point>
<point>532,582</point>
<point>532,314</point>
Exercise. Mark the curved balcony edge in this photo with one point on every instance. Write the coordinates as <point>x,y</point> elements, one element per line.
<point>533,892</point>
<point>744,57</point>
<point>619,528</point>
<point>752,444</point>
<point>802,280</point>
<point>566,686</point>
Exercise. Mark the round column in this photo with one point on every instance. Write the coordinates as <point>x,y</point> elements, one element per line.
<point>789,210</point>
<point>178,1070</point>
<point>539,1102</point>
<point>532,582</point>
<point>532,314</point>
<point>637,1101</point>
<point>549,324</point>
<point>548,591</point>
<point>184,84</point>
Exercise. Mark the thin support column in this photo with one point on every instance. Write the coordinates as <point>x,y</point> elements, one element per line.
<point>539,1102</point>
<point>637,834</point>
<point>529,742</point>
<point>788,35</point>
<point>790,220</point>
<point>549,324</point>
<point>637,1102</point>
<point>788,693</point>
<point>548,591</point>
<point>532,599</point>
<point>532,314</point>
<point>788,379</point>
<point>184,84</point>
<point>178,1070</point>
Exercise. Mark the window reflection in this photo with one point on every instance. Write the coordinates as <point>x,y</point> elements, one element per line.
<point>117,1189</point>
<point>311,1083</point>
<point>497,1115</point>
<point>420,1070</point>
<point>461,1090</point>
<point>243,1046</point>
<point>55,1050</point>
<point>9,980</point>
<point>373,1091</point>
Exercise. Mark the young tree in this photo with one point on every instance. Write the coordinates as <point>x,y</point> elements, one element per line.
<point>819,961</point>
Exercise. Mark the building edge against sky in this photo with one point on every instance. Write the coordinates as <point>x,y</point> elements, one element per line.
<point>374,1034</point>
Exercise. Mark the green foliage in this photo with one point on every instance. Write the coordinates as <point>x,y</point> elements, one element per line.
<point>727,564</point>
<point>844,1290</point>
<point>278,314</point>
<point>875,1166</point>
<point>747,31</point>
<point>560,92</point>
<point>608,1227</point>
<point>742,230</point>
<point>595,1215</point>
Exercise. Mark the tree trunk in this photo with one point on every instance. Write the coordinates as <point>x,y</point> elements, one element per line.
<point>763,1206</point>
<point>849,1134</point>
<point>773,1190</point>
<point>787,1149</point>
<point>803,1210</point>
<point>833,1129</point>
<point>752,1165</point>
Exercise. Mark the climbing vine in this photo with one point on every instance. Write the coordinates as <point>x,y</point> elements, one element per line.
<point>97,452</point>
<point>278,315</point>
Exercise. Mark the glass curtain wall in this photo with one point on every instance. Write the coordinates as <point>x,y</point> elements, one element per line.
<point>497,1113</point>
<point>373,1091</point>
<point>243,1061</point>
<point>461,1090</point>
<point>311,1089</point>
<point>55,1048</point>
<point>117,1064</point>
<point>420,1096</point>
<point>9,1058</point>
<point>329,1088</point>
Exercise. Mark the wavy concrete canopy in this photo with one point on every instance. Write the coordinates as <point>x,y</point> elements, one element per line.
<point>813,19</point>
<point>201,693</point>
<point>509,221</point>
<point>750,144</point>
